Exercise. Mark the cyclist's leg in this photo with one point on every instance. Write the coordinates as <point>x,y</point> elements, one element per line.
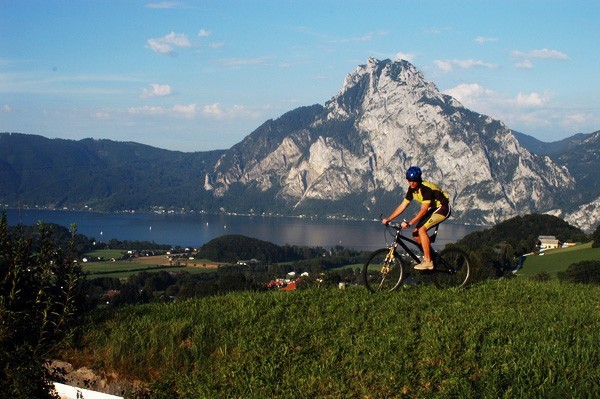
<point>427,222</point>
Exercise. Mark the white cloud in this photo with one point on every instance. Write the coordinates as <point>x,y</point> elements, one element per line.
<point>577,122</point>
<point>540,54</point>
<point>163,4</point>
<point>213,111</point>
<point>157,90</point>
<point>101,115</point>
<point>166,44</point>
<point>527,56</point>
<point>233,62</point>
<point>470,94</point>
<point>437,31</point>
<point>159,47</point>
<point>530,100</point>
<point>6,108</point>
<point>177,39</point>
<point>147,110</point>
<point>203,33</point>
<point>404,56</point>
<point>216,44</point>
<point>448,65</point>
<point>217,111</point>
<point>188,111</point>
<point>482,39</point>
<point>525,64</point>
<point>444,66</point>
<point>533,113</point>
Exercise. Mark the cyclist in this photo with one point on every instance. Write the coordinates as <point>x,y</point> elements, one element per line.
<point>435,208</point>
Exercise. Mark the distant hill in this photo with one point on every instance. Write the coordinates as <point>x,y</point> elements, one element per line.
<point>552,148</point>
<point>101,174</point>
<point>522,232</point>
<point>231,248</point>
<point>580,154</point>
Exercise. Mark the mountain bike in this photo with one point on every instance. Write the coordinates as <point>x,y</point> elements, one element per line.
<point>385,269</point>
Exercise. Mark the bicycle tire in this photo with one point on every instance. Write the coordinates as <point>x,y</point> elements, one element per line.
<point>375,276</point>
<point>452,268</point>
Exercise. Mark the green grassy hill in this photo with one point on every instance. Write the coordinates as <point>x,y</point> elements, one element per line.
<point>512,338</point>
<point>558,260</point>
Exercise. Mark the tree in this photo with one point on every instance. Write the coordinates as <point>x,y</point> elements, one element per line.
<point>39,285</point>
<point>596,237</point>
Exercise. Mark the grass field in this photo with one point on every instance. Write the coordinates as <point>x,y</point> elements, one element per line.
<point>106,253</point>
<point>557,260</point>
<point>124,268</point>
<point>513,338</point>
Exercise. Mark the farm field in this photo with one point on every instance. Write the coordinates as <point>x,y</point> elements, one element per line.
<point>512,338</point>
<point>124,268</point>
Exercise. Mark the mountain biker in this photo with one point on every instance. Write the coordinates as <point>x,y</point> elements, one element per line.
<point>435,208</point>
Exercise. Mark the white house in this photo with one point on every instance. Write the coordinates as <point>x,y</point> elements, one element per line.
<point>548,242</point>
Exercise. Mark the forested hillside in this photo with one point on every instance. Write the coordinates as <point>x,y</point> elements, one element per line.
<point>522,232</point>
<point>100,174</point>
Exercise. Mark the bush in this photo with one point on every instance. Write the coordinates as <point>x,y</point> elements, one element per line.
<point>541,276</point>
<point>38,289</point>
<point>586,272</point>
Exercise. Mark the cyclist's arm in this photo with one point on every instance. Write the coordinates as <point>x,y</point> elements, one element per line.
<point>401,208</point>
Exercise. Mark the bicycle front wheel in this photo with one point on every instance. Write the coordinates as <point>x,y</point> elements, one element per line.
<point>383,273</point>
<point>452,268</point>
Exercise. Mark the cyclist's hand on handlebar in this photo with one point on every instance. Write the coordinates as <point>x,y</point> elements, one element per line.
<point>385,221</point>
<point>404,225</point>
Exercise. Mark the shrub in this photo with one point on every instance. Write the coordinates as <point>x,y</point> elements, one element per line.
<point>541,276</point>
<point>587,272</point>
<point>38,289</point>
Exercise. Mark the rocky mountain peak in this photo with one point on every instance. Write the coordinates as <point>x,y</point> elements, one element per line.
<point>353,152</point>
<point>386,81</point>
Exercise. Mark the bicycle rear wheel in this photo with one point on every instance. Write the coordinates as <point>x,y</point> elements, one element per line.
<point>381,273</point>
<point>452,268</point>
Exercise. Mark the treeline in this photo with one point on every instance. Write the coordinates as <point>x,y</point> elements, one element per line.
<point>134,245</point>
<point>234,247</point>
<point>81,244</point>
<point>62,236</point>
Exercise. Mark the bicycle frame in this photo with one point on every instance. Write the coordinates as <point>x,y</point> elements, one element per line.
<point>399,240</point>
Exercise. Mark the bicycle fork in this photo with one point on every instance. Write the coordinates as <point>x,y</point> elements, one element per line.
<point>389,259</point>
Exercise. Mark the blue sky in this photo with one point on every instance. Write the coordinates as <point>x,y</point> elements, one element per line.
<point>201,75</point>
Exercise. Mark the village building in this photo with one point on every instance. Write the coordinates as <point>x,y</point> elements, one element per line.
<point>548,242</point>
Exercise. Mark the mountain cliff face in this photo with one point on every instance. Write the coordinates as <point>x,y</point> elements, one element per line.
<point>353,153</point>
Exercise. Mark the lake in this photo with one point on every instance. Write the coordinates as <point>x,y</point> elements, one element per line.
<point>190,230</point>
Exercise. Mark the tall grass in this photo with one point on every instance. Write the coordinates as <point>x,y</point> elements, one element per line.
<point>499,339</point>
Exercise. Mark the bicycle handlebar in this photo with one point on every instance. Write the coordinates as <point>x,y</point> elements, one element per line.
<point>395,225</point>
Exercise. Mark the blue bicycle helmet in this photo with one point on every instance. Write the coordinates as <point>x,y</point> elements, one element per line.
<point>413,173</point>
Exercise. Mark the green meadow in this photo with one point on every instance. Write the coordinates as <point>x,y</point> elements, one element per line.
<point>510,338</point>
<point>558,260</point>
